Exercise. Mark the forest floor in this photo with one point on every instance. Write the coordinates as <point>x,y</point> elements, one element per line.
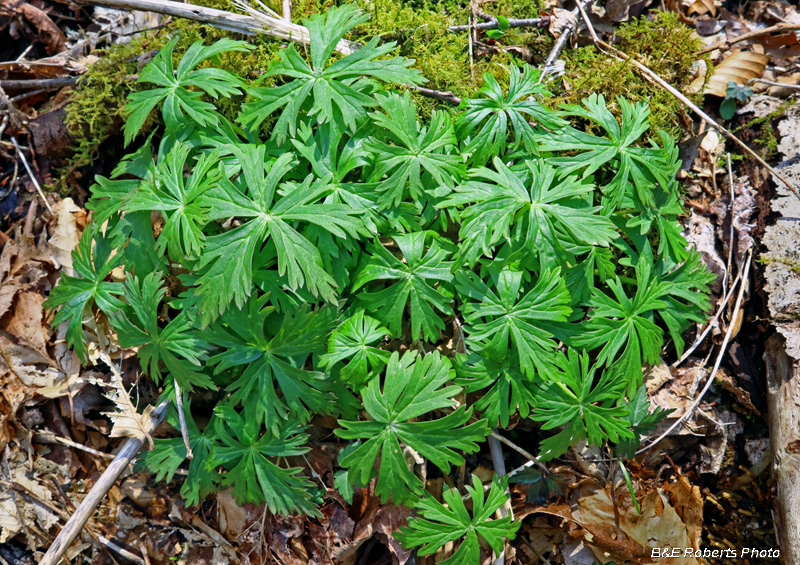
<point>707,484</point>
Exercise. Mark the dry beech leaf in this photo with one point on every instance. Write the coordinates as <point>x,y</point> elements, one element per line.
<point>702,8</point>
<point>738,67</point>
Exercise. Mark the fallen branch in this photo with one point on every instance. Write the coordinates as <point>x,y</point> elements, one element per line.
<point>523,22</point>
<point>257,22</point>
<point>87,507</point>
<point>750,35</point>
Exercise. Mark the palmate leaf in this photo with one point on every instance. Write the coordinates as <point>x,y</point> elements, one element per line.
<point>418,287</point>
<point>570,398</point>
<point>167,456</point>
<point>507,315</point>
<point>417,161</point>
<point>642,421</point>
<point>440,523</point>
<point>596,267</point>
<point>619,323</point>
<point>334,88</point>
<point>274,385</point>
<point>245,452</point>
<point>507,389</point>
<point>177,345</point>
<point>73,296</point>
<point>494,112</point>
<point>178,199</point>
<point>354,341</point>
<point>413,387</point>
<point>538,213</point>
<point>687,295</point>
<point>226,264</point>
<point>636,166</point>
<point>108,194</point>
<point>337,159</point>
<point>174,85</point>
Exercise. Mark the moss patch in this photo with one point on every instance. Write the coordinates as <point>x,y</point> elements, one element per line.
<point>664,45</point>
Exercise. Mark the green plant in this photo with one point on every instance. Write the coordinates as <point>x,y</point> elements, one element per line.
<point>441,523</point>
<point>288,252</point>
<point>733,94</point>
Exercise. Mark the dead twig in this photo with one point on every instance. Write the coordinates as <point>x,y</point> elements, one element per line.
<point>723,348</point>
<point>773,83</point>
<point>256,21</point>
<point>573,27</point>
<point>182,418</point>
<point>438,94</point>
<point>38,84</point>
<point>521,22</point>
<point>87,507</point>
<point>750,35</point>
<point>519,450</point>
<point>32,176</point>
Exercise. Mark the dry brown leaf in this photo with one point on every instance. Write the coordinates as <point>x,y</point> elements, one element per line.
<point>56,40</point>
<point>23,370</point>
<point>702,8</point>
<point>738,67</point>
<point>26,321</point>
<point>688,503</point>
<point>560,21</point>
<point>18,512</point>
<point>659,525</point>
<point>127,420</point>
<point>66,235</point>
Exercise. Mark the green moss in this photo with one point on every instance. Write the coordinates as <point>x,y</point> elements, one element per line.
<point>664,45</point>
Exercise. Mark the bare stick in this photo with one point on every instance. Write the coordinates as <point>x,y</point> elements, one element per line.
<point>721,308</point>
<point>51,438</point>
<point>729,266</point>
<point>446,96</point>
<point>182,418</point>
<point>42,84</point>
<point>717,363</point>
<point>471,57</point>
<point>773,83</point>
<point>256,22</point>
<point>750,35</point>
<point>562,39</point>
<point>705,117</point>
<point>90,502</point>
<point>520,450</point>
<point>31,175</point>
<point>522,22</point>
